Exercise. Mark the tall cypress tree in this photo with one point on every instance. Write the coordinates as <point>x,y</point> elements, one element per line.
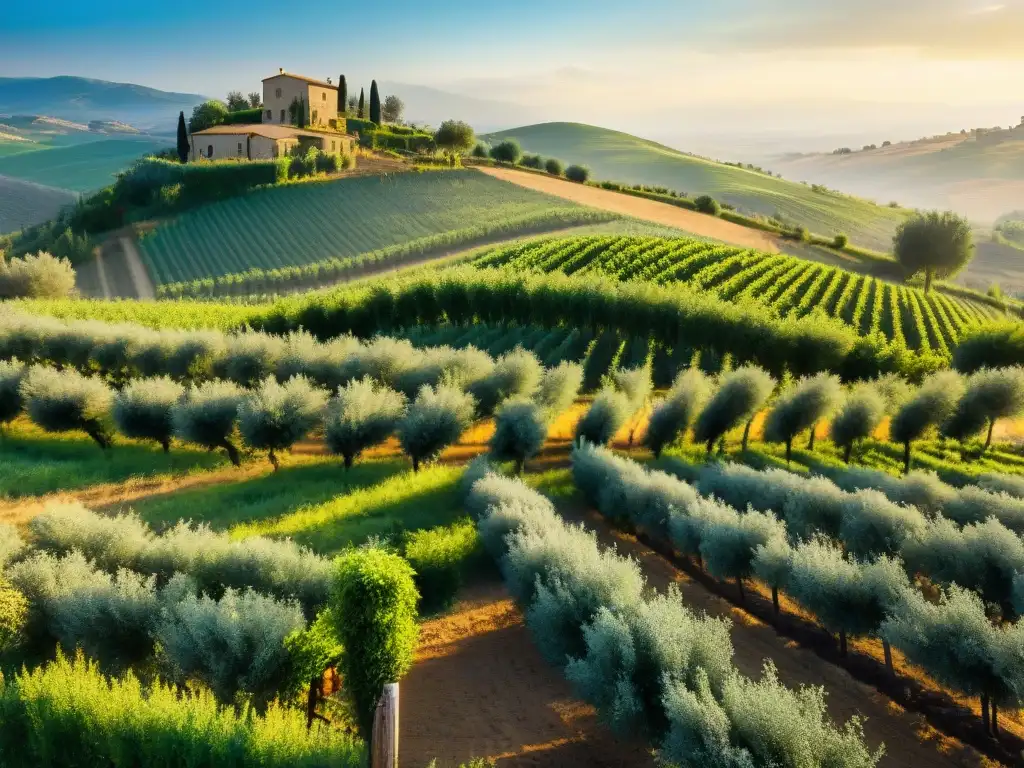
<point>374,104</point>
<point>183,147</point>
<point>362,104</point>
<point>342,97</point>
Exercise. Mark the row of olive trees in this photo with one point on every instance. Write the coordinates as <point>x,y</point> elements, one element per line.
<point>42,276</point>
<point>648,664</point>
<point>959,408</point>
<point>847,558</point>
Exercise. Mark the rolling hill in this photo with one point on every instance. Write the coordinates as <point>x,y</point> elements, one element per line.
<point>23,204</point>
<point>622,157</point>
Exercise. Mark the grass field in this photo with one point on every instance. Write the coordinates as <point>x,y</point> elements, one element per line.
<point>793,287</point>
<point>302,224</point>
<point>615,156</point>
<point>80,167</point>
<point>23,204</point>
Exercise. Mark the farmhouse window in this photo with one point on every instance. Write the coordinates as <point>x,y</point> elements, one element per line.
<point>239,149</point>
<point>282,115</point>
<point>323,96</point>
<point>332,146</point>
<point>270,114</point>
<point>209,151</point>
<point>278,93</point>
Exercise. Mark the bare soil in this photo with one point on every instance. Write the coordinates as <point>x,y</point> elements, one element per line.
<point>480,688</point>
<point>648,210</point>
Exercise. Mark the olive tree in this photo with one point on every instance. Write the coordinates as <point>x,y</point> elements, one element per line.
<point>436,419</point>
<point>801,407</point>
<point>992,394</point>
<point>250,357</point>
<point>558,388</point>
<point>515,374</point>
<point>519,432</point>
<point>42,276</point>
<point>932,404</point>
<point>673,415</point>
<point>730,541</point>
<point>739,396</point>
<point>455,136</point>
<point>636,385</point>
<point>938,244</point>
<point>362,415</point>
<point>63,401</point>
<point>206,415</point>
<point>142,410</point>
<point>274,416</point>
<point>858,418</point>
<point>11,402</point>
<point>608,412</point>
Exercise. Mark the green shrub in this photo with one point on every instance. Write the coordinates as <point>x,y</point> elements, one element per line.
<point>207,415</point>
<point>578,173</point>
<point>435,419</point>
<point>858,418</point>
<point>63,401</point>
<point>606,416</point>
<point>11,402</point>
<point>992,394</point>
<point>481,151</point>
<point>558,388</point>
<point>707,204</point>
<point>673,415</point>
<point>322,363</point>
<point>250,357</point>
<point>553,166</point>
<point>274,416</point>
<point>362,415</point>
<point>244,116</point>
<point>441,558</point>
<point>66,714</point>
<point>507,151</point>
<point>142,410</point>
<point>13,614</point>
<point>519,432</point>
<point>36,277</point>
<point>840,241</point>
<point>532,161</point>
<point>373,603</point>
<point>515,374</point>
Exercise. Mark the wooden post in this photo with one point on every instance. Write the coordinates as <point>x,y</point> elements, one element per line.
<point>384,739</point>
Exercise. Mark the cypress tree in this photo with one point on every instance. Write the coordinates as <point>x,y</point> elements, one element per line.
<point>374,103</point>
<point>182,138</point>
<point>362,104</point>
<point>342,96</point>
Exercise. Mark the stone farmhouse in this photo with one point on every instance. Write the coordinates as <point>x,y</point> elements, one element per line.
<point>276,135</point>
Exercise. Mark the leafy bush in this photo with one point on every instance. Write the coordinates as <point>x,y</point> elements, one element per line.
<point>142,410</point>
<point>276,416</point>
<point>435,419</point>
<point>36,277</point>
<point>67,713</point>
<point>919,489</point>
<point>872,525</point>
<point>63,401</point>
<point>519,432</point>
<point>992,394</point>
<point>455,136</point>
<point>373,603</point>
<point>206,415</point>
<point>303,355</point>
<point>801,407</point>
<point>974,505</point>
<point>11,544</point>
<point>362,415</point>
<point>840,241</point>
<point>740,394</point>
<point>558,388</point>
<point>606,416</point>
<point>515,374</point>
<point>672,416</point>
<point>858,418</point>
<point>932,404</point>
<point>578,173</point>
<point>707,204</point>
<point>250,357</point>
<point>507,151</point>
<point>233,645</point>
<point>11,402</point>
<point>441,558</point>
<point>729,541</point>
<point>13,614</point>
<point>553,166</point>
<point>997,483</point>
<point>532,161</point>
<point>989,346</point>
<point>481,150</point>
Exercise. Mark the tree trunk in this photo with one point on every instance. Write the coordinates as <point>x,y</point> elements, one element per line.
<point>746,433</point>
<point>236,459</point>
<point>711,445</point>
<point>887,650</point>
<point>984,713</point>
<point>415,464</point>
<point>519,467</point>
<point>311,701</point>
<point>775,601</point>
<point>273,459</point>
<point>789,452</point>
<point>166,444</point>
<point>739,585</point>
<point>995,719</point>
<point>848,452</point>
<point>928,280</point>
<point>348,461</point>
<point>810,442</point>
<point>906,458</point>
<point>988,439</point>
<point>842,642</point>
<point>95,431</point>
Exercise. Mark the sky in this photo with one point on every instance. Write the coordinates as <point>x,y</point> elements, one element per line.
<point>804,70</point>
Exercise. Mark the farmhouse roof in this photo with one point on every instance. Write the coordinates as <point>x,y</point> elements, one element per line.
<point>293,76</point>
<point>259,129</point>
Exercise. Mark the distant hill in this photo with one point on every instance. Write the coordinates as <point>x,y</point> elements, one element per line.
<point>83,99</point>
<point>978,174</point>
<point>619,156</point>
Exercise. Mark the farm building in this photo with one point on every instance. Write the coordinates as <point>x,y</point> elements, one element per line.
<point>280,91</point>
<point>263,142</point>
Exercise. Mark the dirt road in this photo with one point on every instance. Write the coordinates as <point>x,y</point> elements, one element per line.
<point>640,208</point>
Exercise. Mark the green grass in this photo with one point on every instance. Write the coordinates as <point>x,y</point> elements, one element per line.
<point>33,462</point>
<point>299,224</point>
<point>81,167</point>
<point>615,156</point>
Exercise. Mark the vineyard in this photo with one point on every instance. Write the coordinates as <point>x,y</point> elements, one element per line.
<point>317,223</point>
<point>793,287</point>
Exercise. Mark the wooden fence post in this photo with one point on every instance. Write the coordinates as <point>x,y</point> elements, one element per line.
<point>384,746</point>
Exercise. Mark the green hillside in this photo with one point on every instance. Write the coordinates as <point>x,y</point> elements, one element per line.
<point>612,155</point>
<point>23,204</point>
<point>81,166</point>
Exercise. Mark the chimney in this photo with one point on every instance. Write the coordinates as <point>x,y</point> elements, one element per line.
<point>280,70</point>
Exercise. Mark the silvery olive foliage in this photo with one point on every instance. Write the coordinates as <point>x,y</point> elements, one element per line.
<point>11,401</point>
<point>207,414</point>
<point>273,417</point>
<point>362,415</point>
<point>607,414</point>
<point>739,396</point>
<point>800,407</point>
<point>859,416</point>
<point>143,408</point>
<point>519,432</point>
<point>673,415</point>
<point>434,420</point>
<point>64,401</point>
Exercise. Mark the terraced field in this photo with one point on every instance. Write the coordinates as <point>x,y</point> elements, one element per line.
<point>294,226</point>
<point>791,286</point>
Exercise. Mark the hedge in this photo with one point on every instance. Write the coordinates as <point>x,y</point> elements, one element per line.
<point>244,117</point>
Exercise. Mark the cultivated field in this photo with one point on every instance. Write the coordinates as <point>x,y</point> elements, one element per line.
<point>23,204</point>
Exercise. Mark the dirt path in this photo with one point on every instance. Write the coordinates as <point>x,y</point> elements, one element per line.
<point>909,740</point>
<point>480,688</point>
<point>640,208</point>
<point>140,277</point>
